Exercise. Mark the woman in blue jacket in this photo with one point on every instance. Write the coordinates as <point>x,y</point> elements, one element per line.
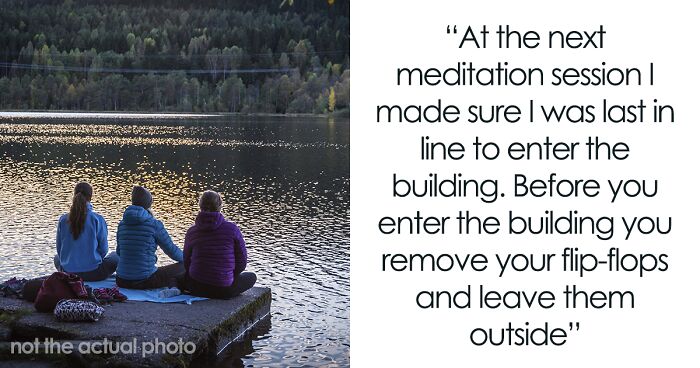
<point>138,236</point>
<point>81,240</point>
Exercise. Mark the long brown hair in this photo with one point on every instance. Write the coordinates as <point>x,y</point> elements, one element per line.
<point>78,210</point>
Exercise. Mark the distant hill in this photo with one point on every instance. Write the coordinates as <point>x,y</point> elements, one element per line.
<point>175,55</point>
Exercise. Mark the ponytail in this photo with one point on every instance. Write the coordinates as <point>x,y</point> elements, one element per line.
<point>78,210</point>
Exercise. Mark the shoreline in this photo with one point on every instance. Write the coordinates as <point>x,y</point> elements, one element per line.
<point>67,114</point>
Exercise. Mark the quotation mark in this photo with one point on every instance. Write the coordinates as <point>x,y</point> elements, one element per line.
<point>454,29</point>
<point>572,324</point>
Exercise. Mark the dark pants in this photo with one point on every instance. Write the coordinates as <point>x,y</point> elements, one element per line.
<point>165,276</point>
<point>241,283</point>
<point>103,271</point>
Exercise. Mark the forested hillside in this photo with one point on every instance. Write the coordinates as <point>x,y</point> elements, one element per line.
<point>227,56</point>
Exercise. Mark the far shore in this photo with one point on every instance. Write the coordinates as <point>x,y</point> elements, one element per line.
<point>64,114</point>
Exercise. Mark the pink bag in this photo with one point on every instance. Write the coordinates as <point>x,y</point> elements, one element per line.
<point>58,286</point>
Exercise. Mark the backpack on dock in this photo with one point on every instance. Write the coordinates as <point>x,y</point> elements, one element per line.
<point>58,286</point>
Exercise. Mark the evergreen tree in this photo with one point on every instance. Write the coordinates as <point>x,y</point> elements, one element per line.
<point>175,55</point>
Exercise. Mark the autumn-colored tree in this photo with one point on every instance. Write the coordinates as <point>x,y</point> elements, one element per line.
<point>331,100</point>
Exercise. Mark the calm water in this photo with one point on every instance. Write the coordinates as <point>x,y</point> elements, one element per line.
<point>286,182</point>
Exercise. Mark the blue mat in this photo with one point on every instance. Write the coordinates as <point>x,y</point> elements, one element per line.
<point>150,295</point>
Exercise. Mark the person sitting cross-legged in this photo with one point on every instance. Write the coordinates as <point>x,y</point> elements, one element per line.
<point>215,253</point>
<point>138,236</point>
<point>81,240</point>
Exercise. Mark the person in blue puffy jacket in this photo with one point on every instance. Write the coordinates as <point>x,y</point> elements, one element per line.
<point>138,236</point>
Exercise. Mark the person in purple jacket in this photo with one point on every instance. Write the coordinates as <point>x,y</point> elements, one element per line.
<point>215,254</point>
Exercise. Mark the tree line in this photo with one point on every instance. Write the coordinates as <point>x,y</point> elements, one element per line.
<point>207,56</point>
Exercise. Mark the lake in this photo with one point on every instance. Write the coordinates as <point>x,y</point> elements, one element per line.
<point>285,182</point>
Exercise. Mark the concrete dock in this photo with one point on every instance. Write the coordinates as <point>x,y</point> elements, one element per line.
<point>132,333</point>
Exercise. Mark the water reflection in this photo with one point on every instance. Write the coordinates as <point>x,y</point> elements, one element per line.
<point>285,182</point>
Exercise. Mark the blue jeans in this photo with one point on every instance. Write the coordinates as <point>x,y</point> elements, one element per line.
<point>103,271</point>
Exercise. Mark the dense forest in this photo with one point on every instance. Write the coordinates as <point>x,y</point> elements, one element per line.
<point>249,56</point>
